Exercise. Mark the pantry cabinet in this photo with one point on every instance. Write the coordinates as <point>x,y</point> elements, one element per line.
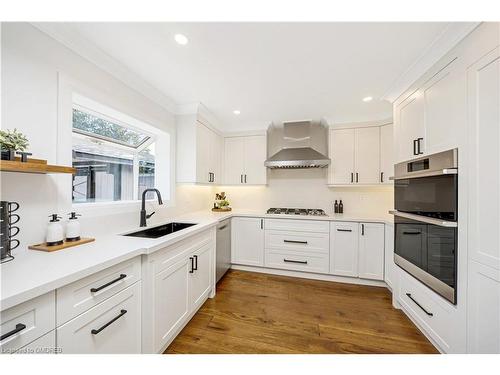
<point>247,241</point>
<point>244,159</point>
<point>199,151</point>
<point>356,155</point>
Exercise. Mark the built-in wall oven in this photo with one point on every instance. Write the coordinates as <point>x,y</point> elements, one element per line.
<point>425,220</point>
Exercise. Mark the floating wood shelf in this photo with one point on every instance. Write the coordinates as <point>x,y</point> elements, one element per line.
<point>33,166</point>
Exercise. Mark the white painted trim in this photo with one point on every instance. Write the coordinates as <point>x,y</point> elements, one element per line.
<point>448,39</point>
<point>72,40</point>
<point>309,275</point>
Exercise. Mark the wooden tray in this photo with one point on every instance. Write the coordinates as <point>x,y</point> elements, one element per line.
<point>221,209</point>
<point>65,245</point>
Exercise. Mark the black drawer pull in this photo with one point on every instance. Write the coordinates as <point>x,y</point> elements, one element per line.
<point>412,233</point>
<point>292,241</point>
<point>344,230</point>
<point>195,262</point>
<point>192,264</point>
<point>19,328</point>
<point>294,261</point>
<point>419,305</point>
<point>96,331</point>
<point>121,277</point>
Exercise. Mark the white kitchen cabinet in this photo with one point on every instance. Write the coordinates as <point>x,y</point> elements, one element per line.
<point>409,127</point>
<point>386,153</point>
<point>200,275</point>
<point>371,251</point>
<point>171,300</point>
<point>367,155</point>
<point>390,276</point>
<point>341,170</point>
<point>344,248</point>
<point>244,159</point>
<point>43,345</point>
<point>247,241</point>
<point>111,327</point>
<point>199,151</point>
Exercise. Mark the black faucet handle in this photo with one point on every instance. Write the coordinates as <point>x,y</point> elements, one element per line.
<point>151,214</point>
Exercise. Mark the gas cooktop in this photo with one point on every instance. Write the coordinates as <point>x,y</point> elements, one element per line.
<point>297,211</point>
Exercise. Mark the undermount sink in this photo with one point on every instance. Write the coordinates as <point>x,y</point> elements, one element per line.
<point>160,231</point>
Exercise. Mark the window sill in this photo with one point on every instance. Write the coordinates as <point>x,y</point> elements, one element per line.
<point>115,207</point>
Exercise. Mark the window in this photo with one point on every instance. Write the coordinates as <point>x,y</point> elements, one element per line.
<point>114,160</point>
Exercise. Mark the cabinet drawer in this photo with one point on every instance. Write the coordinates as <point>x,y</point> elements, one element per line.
<point>113,326</point>
<point>297,261</point>
<point>26,322</point>
<point>298,225</point>
<point>77,297</point>
<point>43,345</point>
<point>309,242</point>
<point>434,314</point>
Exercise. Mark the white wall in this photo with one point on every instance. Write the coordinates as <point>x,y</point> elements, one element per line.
<point>306,188</point>
<point>32,63</point>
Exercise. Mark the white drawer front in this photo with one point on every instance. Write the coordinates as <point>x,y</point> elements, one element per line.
<point>31,319</point>
<point>43,345</point>
<point>308,242</point>
<point>112,327</point>
<point>297,261</point>
<point>420,302</point>
<point>298,225</point>
<point>77,297</point>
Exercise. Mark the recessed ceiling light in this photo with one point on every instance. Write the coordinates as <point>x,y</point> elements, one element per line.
<point>236,112</point>
<point>367,99</point>
<point>181,39</point>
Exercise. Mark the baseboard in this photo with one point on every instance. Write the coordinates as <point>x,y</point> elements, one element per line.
<point>312,276</point>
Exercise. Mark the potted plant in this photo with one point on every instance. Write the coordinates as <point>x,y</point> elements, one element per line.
<point>12,141</point>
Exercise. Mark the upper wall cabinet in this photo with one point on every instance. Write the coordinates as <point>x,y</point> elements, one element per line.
<point>244,160</point>
<point>386,153</point>
<point>427,120</point>
<point>199,151</point>
<point>357,156</point>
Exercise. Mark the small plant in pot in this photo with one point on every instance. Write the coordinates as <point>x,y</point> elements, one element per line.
<point>12,141</point>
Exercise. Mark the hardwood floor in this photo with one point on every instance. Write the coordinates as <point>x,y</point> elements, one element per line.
<point>260,313</point>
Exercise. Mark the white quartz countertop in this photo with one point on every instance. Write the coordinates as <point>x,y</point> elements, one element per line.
<point>34,273</point>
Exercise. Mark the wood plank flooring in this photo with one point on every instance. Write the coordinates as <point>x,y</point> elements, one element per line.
<point>261,313</point>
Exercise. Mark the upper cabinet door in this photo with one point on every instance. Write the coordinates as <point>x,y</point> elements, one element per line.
<point>386,153</point>
<point>341,170</point>
<point>409,127</point>
<point>215,163</point>
<point>484,160</point>
<point>367,155</point>
<point>445,108</point>
<point>234,160</point>
<point>255,156</point>
<point>203,143</point>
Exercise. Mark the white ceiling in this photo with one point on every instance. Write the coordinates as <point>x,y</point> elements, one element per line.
<point>269,71</point>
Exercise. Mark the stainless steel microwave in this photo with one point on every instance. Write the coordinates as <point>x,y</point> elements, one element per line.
<point>426,220</point>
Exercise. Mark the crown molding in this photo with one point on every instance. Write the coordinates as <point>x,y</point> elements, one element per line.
<point>449,38</point>
<point>71,39</point>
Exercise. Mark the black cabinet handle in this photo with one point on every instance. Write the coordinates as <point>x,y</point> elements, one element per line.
<point>344,230</point>
<point>261,223</point>
<point>192,264</point>
<point>121,277</point>
<point>381,176</point>
<point>292,241</point>
<point>96,331</point>
<point>241,178</point>
<point>195,262</point>
<point>412,233</point>
<point>19,328</point>
<point>415,147</point>
<point>352,177</point>
<point>419,152</point>
<point>362,229</point>
<point>294,261</point>
<point>357,177</point>
<point>245,179</point>
<point>418,304</point>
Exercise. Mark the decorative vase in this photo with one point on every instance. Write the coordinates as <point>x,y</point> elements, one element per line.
<point>9,154</point>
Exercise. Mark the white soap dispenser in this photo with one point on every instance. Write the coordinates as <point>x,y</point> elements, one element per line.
<point>73,227</point>
<point>55,232</point>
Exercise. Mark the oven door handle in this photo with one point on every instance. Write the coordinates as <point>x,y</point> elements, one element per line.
<point>439,172</point>
<point>425,219</point>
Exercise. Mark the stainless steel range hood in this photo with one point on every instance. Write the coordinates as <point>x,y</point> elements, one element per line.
<point>299,144</point>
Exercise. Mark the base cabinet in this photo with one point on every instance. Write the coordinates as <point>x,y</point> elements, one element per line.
<point>344,249</point>
<point>199,284</point>
<point>247,241</point>
<point>112,327</point>
<point>371,251</point>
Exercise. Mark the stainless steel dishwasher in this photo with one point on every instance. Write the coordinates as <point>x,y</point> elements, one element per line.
<point>223,249</point>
